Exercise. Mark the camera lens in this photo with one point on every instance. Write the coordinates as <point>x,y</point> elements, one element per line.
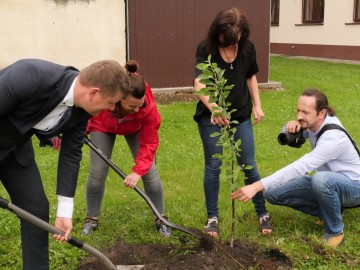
<point>282,139</point>
<point>291,139</point>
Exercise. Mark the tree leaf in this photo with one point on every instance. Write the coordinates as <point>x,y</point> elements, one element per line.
<point>217,155</point>
<point>202,66</point>
<point>215,134</point>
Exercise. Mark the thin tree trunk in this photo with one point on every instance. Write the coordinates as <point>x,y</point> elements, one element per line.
<point>232,214</point>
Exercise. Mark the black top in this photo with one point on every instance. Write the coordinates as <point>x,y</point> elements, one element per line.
<point>244,67</point>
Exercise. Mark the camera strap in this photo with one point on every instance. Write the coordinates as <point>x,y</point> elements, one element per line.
<point>335,126</point>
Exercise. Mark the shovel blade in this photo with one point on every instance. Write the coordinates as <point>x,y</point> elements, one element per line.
<point>130,267</point>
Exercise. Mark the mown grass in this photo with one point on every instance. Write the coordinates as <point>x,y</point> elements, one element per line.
<point>180,161</point>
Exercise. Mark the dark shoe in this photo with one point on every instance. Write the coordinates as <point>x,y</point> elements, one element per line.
<point>212,227</point>
<point>264,223</point>
<point>90,225</point>
<point>335,241</point>
<point>162,228</point>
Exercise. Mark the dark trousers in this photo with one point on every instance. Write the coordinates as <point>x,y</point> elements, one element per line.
<point>27,192</point>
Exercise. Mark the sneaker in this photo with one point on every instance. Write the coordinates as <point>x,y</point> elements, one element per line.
<point>90,225</point>
<point>162,228</point>
<point>335,241</point>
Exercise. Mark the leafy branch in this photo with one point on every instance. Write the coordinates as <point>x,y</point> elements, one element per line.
<point>217,89</point>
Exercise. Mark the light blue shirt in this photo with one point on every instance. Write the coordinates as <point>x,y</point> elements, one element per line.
<point>333,152</point>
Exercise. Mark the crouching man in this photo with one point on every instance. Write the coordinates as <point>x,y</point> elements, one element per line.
<point>335,184</point>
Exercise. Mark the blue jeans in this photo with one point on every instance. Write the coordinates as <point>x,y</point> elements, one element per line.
<point>244,132</point>
<point>323,195</point>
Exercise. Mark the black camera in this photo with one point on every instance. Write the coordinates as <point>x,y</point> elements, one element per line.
<point>292,139</point>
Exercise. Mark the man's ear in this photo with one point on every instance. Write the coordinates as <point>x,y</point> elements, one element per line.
<point>323,113</point>
<point>93,92</point>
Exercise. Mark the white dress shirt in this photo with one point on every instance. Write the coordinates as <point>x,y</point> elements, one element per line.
<point>65,204</point>
<point>50,121</point>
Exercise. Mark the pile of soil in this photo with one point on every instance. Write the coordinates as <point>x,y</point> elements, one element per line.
<point>242,255</point>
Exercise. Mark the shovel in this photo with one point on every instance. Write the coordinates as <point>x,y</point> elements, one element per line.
<point>206,241</point>
<point>51,229</point>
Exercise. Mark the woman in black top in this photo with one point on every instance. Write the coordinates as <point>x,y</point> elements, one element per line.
<point>229,45</point>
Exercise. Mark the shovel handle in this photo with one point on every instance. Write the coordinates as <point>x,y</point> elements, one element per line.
<point>137,189</point>
<point>21,213</point>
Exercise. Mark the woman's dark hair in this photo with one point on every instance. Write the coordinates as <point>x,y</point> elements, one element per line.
<point>137,83</point>
<point>230,23</point>
<point>321,100</point>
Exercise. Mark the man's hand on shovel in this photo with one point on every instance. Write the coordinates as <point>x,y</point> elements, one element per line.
<point>65,225</point>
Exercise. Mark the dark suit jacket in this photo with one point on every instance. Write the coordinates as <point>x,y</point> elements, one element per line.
<point>29,90</point>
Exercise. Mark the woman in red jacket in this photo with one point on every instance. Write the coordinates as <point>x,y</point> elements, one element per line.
<point>138,120</point>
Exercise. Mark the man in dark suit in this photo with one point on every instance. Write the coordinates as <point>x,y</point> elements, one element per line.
<point>46,99</point>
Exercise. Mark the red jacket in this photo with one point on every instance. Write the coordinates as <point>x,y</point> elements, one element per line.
<point>146,121</point>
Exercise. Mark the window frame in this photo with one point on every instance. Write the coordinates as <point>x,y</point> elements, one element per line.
<point>310,8</point>
<point>356,11</point>
<point>275,12</point>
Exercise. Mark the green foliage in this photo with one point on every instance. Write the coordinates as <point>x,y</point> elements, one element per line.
<point>217,90</point>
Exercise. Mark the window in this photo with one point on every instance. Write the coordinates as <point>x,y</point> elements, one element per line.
<point>275,12</point>
<point>357,11</point>
<point>313,11</point>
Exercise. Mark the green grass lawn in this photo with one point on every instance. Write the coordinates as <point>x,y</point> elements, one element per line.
<point>180,161</point>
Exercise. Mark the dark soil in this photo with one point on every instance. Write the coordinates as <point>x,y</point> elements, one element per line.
<point>242,255</point>
<point>191,253</point>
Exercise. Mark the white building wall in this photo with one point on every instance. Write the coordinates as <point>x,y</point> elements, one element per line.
<point>69,32</point>
<point>332,32</point>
